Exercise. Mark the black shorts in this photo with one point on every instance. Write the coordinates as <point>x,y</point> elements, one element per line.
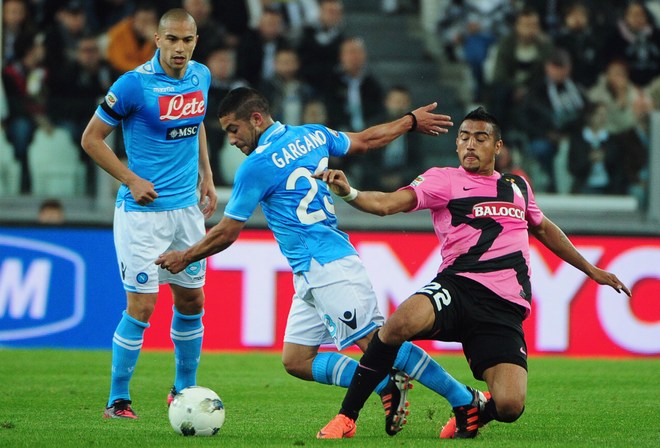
<point>488,326</point>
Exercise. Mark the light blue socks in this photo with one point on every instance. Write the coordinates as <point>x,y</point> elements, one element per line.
<point>187,333</point>
<point>126,346</point>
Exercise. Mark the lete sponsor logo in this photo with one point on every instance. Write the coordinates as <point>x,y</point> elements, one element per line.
<point>181,106</point>
<point>42,288</point>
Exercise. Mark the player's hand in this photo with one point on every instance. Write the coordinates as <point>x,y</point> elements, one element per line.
<point>172,261</point>
<point>142,191</point>
<point>208,197</point>
<point>336,180</point>
<point>430,123</point>
<point>607,278</point>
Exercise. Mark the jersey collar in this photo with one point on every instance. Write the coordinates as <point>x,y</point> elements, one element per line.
<point>155,62</point>
<point>274,131</point>
<point>495,174</point>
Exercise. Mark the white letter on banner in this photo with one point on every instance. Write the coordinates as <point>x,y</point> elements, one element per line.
<point>391,281</point>
<point>389,275</point>
<point>19,294</point>
<point>620,324</point>
<point>553,294</point>
<point>259,261</point>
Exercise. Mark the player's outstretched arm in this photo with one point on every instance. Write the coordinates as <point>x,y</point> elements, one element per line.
<point>374,202</point>
<point>220,237</point>
<point>556,240</point>
<point>421,120</point>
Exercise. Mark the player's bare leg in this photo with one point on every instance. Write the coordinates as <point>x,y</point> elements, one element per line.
<point>508,385</point>
<point>505,402</point>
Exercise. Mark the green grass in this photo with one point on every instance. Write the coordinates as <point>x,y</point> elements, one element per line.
<point>55,398</point>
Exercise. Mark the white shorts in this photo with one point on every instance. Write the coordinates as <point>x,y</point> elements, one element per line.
<point>140,237</point>
<point>333,303</point>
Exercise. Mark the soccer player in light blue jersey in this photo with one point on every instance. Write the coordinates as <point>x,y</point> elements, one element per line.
<point>334,301</point>
<point>160,106</point>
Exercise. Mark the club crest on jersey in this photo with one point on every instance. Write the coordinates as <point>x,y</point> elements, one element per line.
<point>182,106</point>
<point>498,209</point>
<point>335,133</point>
<point>418,180</point>
<point>111,99</point>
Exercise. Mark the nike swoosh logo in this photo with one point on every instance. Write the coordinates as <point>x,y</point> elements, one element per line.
<point>466,189</point>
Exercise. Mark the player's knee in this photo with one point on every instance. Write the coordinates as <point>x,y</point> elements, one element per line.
<point>295,368</point>
<point>392,337</point>
<point>395,332</point>
<point>189,305</point>
<point>510,410</point>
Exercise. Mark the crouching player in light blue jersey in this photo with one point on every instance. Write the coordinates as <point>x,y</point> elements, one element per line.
<point>161,106</point>
<point>334,301</point>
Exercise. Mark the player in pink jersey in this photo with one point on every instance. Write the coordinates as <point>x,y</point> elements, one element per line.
<point>482,292</point>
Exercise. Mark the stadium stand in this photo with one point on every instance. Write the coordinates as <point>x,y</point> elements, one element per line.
<point>54,163</point>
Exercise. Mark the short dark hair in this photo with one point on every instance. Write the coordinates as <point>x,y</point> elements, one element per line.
<point>175,15</point>
<point>242,102</point>
<point>559,57</point>
<point>480,114</point>
<point>51,203</point>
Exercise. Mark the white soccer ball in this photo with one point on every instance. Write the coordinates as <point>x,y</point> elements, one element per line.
<point>197,411</point>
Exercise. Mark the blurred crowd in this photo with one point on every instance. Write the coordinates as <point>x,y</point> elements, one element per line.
<point>573,82</point>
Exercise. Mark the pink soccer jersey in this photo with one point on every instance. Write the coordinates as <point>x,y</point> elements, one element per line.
<point>481,222</point>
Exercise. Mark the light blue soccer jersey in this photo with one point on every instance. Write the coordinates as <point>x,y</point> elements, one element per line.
<point>299,209</point>
<point>160,118</point>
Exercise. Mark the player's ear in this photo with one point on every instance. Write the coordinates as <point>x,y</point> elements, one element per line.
<point>257,119</point>
<point>498,147</point>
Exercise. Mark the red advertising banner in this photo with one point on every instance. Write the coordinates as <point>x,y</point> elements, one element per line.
<point>249,289</point>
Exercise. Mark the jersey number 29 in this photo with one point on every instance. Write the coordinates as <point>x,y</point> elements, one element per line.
<point>302,211</point>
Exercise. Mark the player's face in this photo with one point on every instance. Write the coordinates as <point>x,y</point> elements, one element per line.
<point>476,147</point>
<point>244,134</point>
<point>176,41</point>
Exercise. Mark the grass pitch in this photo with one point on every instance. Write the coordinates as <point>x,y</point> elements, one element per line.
<point>55,398</point>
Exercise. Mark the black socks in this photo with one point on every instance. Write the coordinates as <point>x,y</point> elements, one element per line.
<point>375,365</point>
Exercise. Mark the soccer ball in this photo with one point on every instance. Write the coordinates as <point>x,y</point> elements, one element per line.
<point>197,411</point>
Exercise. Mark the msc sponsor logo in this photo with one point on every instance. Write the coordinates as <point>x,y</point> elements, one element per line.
<point>182,132</point>
<point>34,275</point>
<point>496,209</point>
